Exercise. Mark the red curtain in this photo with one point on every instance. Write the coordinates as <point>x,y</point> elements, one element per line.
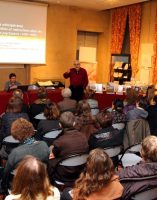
<point>134,30</point>
<point>154,58</point>
<point>119,17</point>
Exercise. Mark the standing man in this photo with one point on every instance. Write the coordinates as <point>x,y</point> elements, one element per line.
<point>12,83</point>
<point>78,80</point>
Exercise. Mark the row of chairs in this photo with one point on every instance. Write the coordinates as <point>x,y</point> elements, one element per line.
<point>129,157</point>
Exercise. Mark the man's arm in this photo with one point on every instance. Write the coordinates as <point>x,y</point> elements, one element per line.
<point>66,74</point>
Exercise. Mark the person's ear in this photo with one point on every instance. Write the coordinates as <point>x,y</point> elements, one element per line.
<point>74,123</point>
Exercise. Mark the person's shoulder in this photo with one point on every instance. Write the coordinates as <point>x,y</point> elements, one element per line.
<point>11,197</point>
<point>82,68</point>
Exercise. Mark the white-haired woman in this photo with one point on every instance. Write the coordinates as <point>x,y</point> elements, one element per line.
<point>67,104</point>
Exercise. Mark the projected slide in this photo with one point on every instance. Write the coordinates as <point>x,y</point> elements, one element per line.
<point>22,33</point>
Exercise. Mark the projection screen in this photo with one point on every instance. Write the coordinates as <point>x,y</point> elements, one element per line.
<point>22,32</point>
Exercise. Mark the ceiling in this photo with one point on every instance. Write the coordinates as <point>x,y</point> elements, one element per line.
<point>92,4</point>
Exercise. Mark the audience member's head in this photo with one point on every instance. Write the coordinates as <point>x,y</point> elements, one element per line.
<point>151,92</point>
<point>22,129</point>
<point>51,110</point>
<point>98,172</point>
<point>18,93</point>
<point>42,93</point>
<point>31,180</point>
<point>14,105</point>
<point>66,93</point>
<point>67,119</point>
<point>83,107</point>
<point>12,77</point>
<point>104,118</point>
<point>131,96</point>
<point>149,149</point>
<point>141,102</point>
<point>118,105</point>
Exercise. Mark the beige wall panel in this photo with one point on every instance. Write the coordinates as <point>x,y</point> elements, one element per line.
<point>147,34</point>
<point>62,26</point>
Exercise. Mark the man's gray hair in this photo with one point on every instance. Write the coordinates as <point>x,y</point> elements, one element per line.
<point>67,119</point>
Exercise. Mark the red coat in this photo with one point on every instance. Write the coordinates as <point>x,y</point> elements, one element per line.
<point>77,78</point>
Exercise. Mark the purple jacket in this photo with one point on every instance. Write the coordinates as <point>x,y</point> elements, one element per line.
<point>137,171</point>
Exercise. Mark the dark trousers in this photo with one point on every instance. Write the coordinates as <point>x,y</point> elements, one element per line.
<point>77,92</point>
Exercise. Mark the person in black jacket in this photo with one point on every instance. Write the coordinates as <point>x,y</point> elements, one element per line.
<point>152,116</point>
<point>107,136</point>
<point>145,169</point>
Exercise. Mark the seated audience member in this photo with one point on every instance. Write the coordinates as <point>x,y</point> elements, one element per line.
<point>13,112</point>
<point>52,114</point>
<point>137,127</point>
<point>98,181</point>
<point>107,136</point>
<point>150,94</point>
<point>85,122</point>
<point>18,93</point>
<point>139,112</point>
<point>67,104</point>
<point>117,112</point>
<point>93,103</point>
<point>71,141</point>
<point>130,100</point>
<point>31,182</point>
<point>23,131</point>
<point>152,116</point>
<point>12,83</point>
<point>38,105</point>
<point>146,168</point>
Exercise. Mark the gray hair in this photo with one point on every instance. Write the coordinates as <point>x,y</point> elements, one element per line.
<point>67,119</point>
<point>66,92</point>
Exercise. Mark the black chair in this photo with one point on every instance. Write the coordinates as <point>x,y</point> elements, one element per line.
<point>73,164</point>
<point>9,143</point>
<point>131,156</point>
<point>113,153</point>
<point>51,136</point>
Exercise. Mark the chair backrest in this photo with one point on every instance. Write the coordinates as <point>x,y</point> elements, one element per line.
<point>150,194</point>
<point>40,116</point>
<point>68,170</point>
<point>131,156</point>
<point>119,126</point>
<point>74,160</point>
<point>10,139</point>
<point>52,134</point>
<point>113,151</point>
<point>9,143</point>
